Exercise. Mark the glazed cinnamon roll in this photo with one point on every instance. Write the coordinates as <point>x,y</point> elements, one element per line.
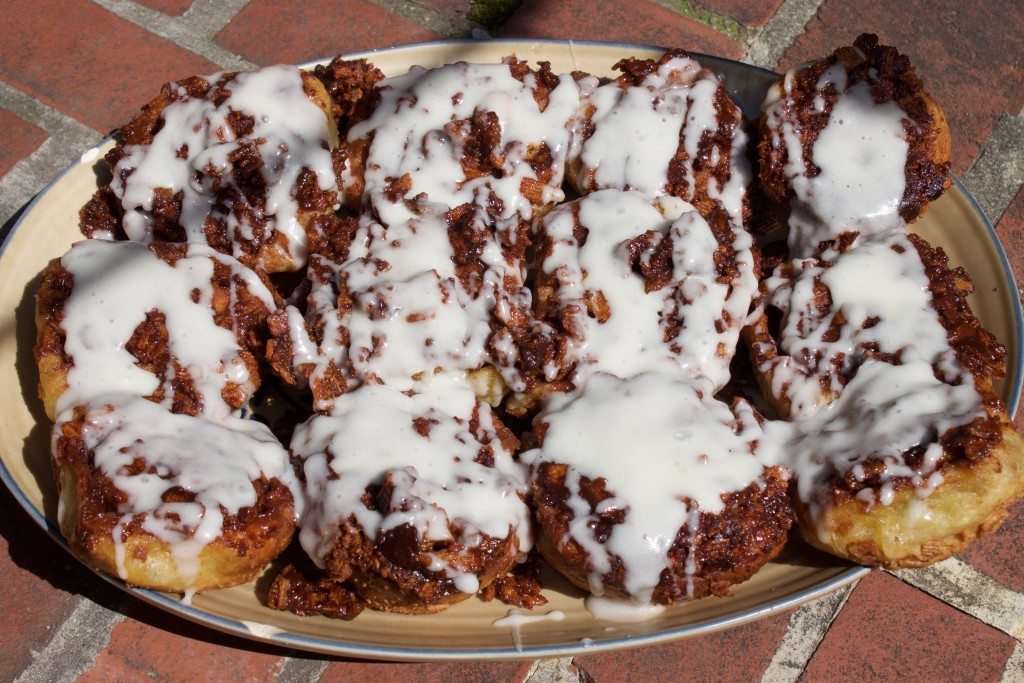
<point>649,489</point>
<point>241,161</point>
<point>180,324</point>
<point>635,286</point>
<point>397,304</point>
<point>415,500</point>
<point>664,127</point>
<point>493,135</point>
<point>852,142</point>
<point>172,502</point>
<point>903,470</point>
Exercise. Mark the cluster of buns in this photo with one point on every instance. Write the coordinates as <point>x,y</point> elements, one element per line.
<point>518,301</point>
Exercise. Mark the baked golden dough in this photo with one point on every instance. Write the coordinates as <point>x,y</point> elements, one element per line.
<point>911,531</point>
<point>142,545</point>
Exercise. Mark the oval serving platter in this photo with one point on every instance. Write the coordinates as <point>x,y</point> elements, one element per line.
<point>48,227</point>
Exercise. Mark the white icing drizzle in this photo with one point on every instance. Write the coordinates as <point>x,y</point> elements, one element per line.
<point>620,611</point>
<point>884,411</point>
<point>216,460</point>
<point>694,449</point>
<point>861,154</point>
<point>638,130</point>
<point>420,127</point>
<point>896,317</point>
<point>410,314</point>
<point>259,630</point>
<point>439,487</point>
<point>515,620</point>
<point>415,326</point>
<point>115,285</point>
<point>633,339</point>
<point>192,154</point>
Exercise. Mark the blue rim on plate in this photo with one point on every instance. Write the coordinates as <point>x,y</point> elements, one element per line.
<point>277,637</point>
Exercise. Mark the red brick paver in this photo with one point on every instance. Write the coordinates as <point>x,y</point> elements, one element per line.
<point>888,629</point>
<point>999,555</point>
<point>749,12</point>
<point>18,139</point>
<point>465,672</point>
<point>269,32</point>
<point>154,645</point>
<point>172,7</point>
<point>634,22</point>
<point>970,54</point>
<point>31,606</point>
<point>90,64</point>
<point>739,654</point>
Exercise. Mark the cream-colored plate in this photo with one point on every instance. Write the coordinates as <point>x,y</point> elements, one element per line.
<point>49,226</point>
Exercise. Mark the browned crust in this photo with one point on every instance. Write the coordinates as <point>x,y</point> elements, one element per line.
<point>391,575</point>
<point>251,538</point>
<point>350,85</point>
<point>306,593</point>
<point>521,587</point>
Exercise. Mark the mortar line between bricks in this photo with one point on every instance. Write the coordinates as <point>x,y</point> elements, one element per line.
<point>194,30</point>
<point>960,585</point>
<point>428,18</point>
<point>74,646</point>
<point>805,633</point>
<point>771,42</point>
<point>1013,671</point>
<point>533,670</point>
<point>998,170</point>
<point>301,670</point>
<point>551,671</point>
<point>53,121</point>
<point>32,173</point>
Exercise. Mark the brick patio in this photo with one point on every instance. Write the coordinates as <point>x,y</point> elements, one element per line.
<point>72,70</point>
